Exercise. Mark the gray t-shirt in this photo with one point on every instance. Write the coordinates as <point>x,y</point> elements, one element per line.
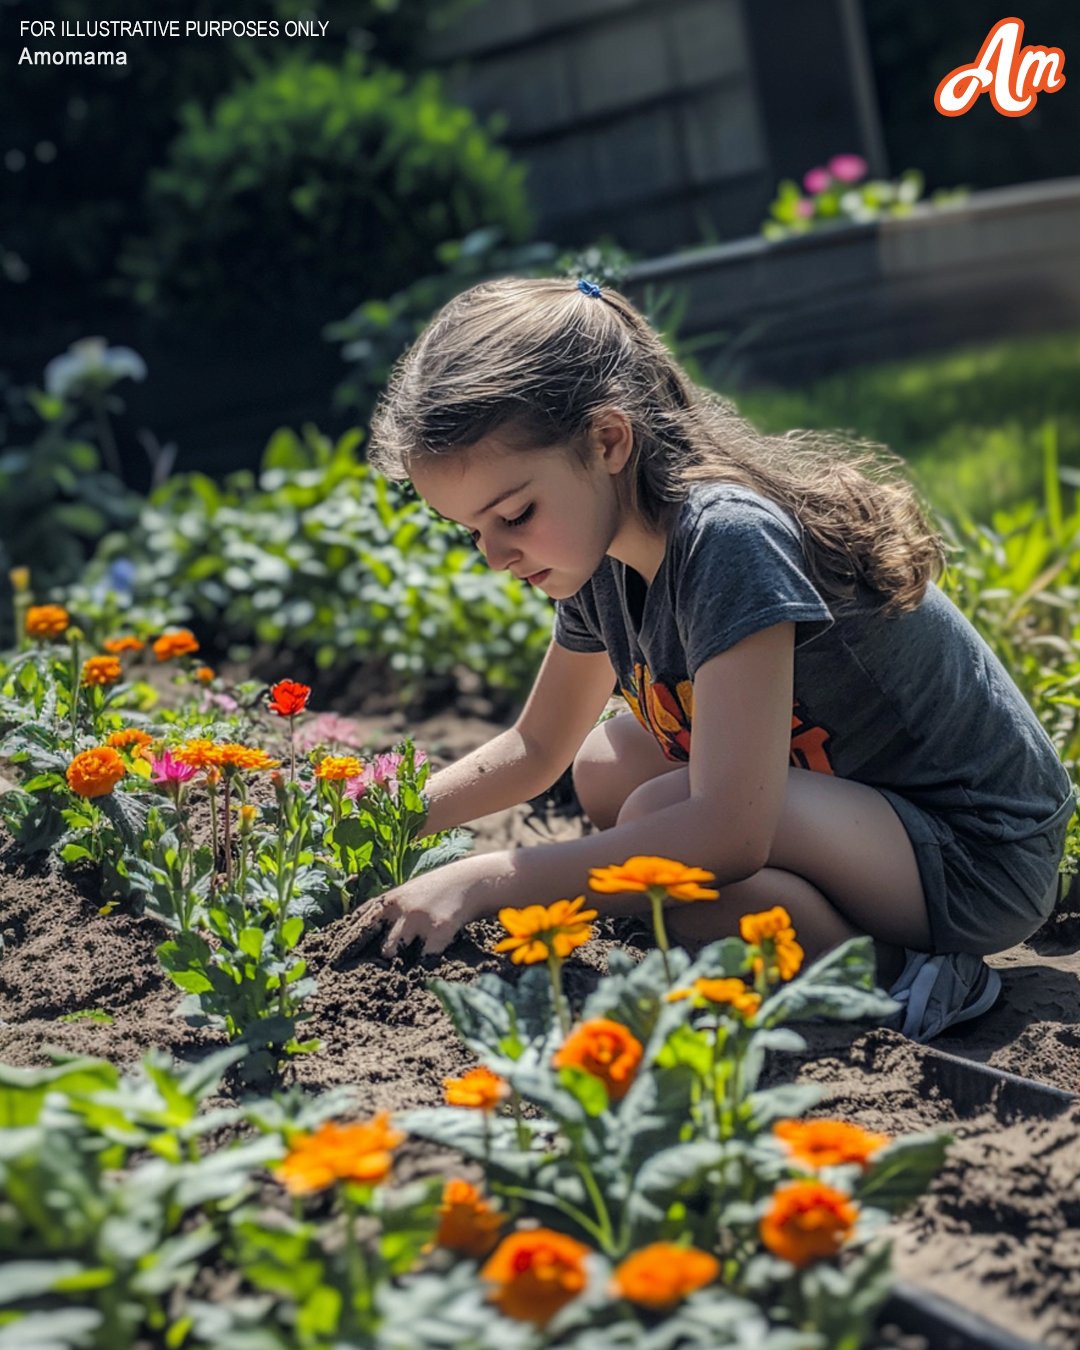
<point>916,703</point>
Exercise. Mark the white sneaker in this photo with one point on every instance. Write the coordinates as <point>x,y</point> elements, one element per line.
<point>938,992</point>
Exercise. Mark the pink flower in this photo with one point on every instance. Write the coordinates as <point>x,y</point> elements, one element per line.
<point>356,787</point>
<point>848,168</point>
<point>804,208</point>
<point>816,180</point>
<point>223,701</point>
<point>169,770</point>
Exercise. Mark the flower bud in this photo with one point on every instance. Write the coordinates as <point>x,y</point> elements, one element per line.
<point>213,776</point>
<point>20,580</point>
<point>248,815</point>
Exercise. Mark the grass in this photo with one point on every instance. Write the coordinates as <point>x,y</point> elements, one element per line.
<point>969,422</point>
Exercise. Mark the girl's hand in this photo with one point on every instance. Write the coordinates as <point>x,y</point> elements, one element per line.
<point>432,907</point>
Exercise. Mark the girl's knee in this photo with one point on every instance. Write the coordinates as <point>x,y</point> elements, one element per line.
<point>616,758</point>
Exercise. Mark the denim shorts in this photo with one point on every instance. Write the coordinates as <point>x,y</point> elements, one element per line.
<point>982,895</point>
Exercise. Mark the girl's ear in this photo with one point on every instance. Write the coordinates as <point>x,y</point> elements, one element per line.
<point>613,437</point>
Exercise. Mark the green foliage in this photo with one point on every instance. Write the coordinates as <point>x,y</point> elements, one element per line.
<point>686,1153</point>
<point>969,422</point>
<point>330,564</point>
<point>55,500</point>
<point>311,181</point>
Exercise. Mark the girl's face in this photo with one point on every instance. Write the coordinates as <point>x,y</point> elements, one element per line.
<point>538,514</point>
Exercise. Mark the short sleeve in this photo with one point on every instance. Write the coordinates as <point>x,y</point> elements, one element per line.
<point>743,571</point>
<point>572,630</point>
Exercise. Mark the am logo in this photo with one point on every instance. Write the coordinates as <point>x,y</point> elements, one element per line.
<point>1013,75</point>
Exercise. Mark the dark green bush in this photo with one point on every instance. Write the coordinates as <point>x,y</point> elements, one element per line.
<point>313,182</point>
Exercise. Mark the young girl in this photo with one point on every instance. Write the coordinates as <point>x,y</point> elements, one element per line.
<point>810,718</point>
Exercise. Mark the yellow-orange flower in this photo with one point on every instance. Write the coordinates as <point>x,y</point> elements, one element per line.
<point>663,1274</point>
<point>643,872</point>
<point>829,1143</point>
<point>607,1050</point>
<point>536,1273</point>
<point>95,772</point>
<point>807,1221</point>
<point>479,1088</point>
<point>230,754</point>
<point>47,621</point>
<point>204,754</point>
<point>204,674</point>
<point>731,992</point>
<point>357,1152</point>
<point>773,928</point>
<point>338,766</point>
<point>102,670</point>
<point>129,736</point>
<point>118,645</point>
<point>467,1223</point>
<point>182,642</point>
<point>200,753</point>
<point>538,930</point>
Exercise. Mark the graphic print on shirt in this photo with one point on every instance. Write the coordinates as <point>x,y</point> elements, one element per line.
<point>809,744</point>
<point>666,713</point>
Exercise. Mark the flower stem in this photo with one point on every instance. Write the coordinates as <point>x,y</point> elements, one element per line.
<point>656,900</point>
<point>555,971</point>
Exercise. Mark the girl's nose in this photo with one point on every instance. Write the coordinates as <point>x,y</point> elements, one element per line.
<point>499,558</point>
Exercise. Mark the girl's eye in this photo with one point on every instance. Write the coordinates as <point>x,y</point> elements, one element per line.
<point>474,535</point>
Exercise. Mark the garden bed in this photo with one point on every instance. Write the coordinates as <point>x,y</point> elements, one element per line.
<point>997,1231</point>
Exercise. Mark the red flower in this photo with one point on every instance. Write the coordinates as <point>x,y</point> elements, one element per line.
<point>288,698</point>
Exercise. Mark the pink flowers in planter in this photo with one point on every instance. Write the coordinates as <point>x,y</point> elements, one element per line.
<point>840,169</point>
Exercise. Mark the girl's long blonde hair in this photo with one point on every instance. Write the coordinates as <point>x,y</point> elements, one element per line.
<point>537,359</point>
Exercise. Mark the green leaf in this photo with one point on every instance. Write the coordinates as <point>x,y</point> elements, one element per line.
<point>251,941</point>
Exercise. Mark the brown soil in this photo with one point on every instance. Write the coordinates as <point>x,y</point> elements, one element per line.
<point>998,1231</point>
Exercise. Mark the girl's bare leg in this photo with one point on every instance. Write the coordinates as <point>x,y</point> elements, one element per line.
<point>841,864</point>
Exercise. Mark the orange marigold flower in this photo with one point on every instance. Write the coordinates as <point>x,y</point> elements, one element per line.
<point>607,1050</point>
<point>536,1273</point>
<point>467,1223</point>
<point>828,1143</point>
<point>288,698</point>
<point>663,1274</point>
<point>807,1221</point>
<point>204,674</point>
<point>773,927</point>
<point>642,872</point>
<point>102,670</point>
<point>230,754</point>
<point>200,753</point>
<point>47,621</point>
<point>732,992</point>
<point>338,766</point>
<point>357,1152</point>
<point>181,642</point>
<point>95,772</point>
<point>478,1088</point>
<point>118,645</point>
<point>129,736</point>
<point>538,930</point>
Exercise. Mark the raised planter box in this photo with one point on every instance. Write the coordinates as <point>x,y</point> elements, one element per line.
<point>1004,262</point>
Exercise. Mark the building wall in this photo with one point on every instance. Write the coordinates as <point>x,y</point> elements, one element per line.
<point>662,123</point>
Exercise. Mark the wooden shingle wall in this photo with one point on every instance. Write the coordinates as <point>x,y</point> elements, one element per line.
<point>637,118</point>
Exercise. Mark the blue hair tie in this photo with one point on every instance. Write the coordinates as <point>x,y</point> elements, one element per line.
<point>589,288</point>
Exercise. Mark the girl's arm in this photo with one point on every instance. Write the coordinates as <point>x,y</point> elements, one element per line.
<point>567,697</point>
<point>736,784</point>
